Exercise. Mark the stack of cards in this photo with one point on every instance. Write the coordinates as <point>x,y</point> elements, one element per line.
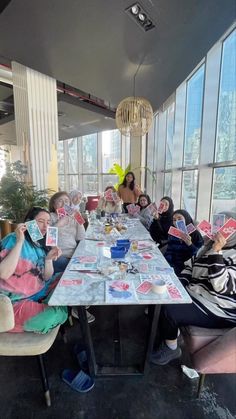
<point>133,209</point>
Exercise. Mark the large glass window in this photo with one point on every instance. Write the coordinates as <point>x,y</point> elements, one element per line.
<point>189,191</point>
<point>60,157</point>
<point>109,180</point>
<point>226,124</point>
<point>89,152</point>
<point>224,189</point>
<point>193,118</point>
<point>73,182</point>
<point>170,135</point>
<point>72,156</point>
<point>168,184</point>
<point>90,184</point>
<point>111,149</point>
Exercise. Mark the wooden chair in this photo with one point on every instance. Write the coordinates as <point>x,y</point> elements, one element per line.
<point>26,343</point>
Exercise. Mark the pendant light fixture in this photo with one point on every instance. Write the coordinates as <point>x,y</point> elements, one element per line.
<point>134,114</point>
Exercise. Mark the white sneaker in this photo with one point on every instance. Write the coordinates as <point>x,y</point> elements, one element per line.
<point>90,317</point>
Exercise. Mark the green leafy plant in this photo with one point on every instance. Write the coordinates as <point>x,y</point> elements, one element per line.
<point>16,195</point>
<point>120,172</point>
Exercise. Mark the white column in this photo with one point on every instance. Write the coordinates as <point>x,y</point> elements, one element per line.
<point>35,102</point>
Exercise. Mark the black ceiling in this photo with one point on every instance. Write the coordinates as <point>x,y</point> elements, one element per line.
<point>95,46</point>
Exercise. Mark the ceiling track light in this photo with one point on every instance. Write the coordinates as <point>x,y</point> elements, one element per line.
<point>139,15</point>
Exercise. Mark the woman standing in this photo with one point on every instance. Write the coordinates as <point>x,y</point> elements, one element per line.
<point>26,269</point>
<point>128,191</point>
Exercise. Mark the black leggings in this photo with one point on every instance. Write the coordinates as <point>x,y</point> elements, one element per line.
<point>173,316</point>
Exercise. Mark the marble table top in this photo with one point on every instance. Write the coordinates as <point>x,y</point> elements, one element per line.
<point>93,288</point>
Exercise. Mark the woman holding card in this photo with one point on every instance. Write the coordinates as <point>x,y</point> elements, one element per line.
<point>181,249</point>
<point>162,220</point>
<point>70,231</point>
<point>128,191</point>
<point>26,269</point>
<point>145,215</point>
<point>210,279</point>
<point>110,202</point>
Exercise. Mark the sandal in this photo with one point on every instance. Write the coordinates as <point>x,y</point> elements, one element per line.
<point>81,355</point>
<point>80,381</point>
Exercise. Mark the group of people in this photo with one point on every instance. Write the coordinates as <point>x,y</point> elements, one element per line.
<point>30,270</point>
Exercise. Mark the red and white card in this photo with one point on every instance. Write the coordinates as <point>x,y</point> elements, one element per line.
<point>176,233</point>
<point>133,209</point>
<point>108,195</point>
<point>78,217</point>
<point>144,287</point>
<point>61,212</point>
<point>161,207</point>
<point>69,282</point>
<point>173,292</point>
<point>205,227</point>
<point>228,228</point>
<point>152,208</point>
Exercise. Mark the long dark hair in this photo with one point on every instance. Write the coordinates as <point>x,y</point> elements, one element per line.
<point>143,195</point>
<point>30,215</point>
<point>131,185</point>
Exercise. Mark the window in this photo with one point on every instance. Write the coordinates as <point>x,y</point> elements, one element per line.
<point>169,136</point>
<point>90,184</point>
<point>111,149</point>
<point>89,153</point>
<point>193,118</point>
<point>60,157</point>
<point>189,191</point>
<point>226,124</point>
<point>73,182</point>
<point>168,184</point>
<point>224,189</point>
<point>72,156</point>
<point>109,180</point>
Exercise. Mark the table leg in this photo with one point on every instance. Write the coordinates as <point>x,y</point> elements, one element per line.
<point>152,334</point>
<point>86,334</point>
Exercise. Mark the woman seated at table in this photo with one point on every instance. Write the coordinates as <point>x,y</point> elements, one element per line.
<point>144,215</point>
<point>210,280</point>
<point>161,222</point>
<point>78,203</point>
<point>70,232</point>
<point>26,269</point>
<point>128,191</point>
<point>110,202</point>
<point>180,250</point>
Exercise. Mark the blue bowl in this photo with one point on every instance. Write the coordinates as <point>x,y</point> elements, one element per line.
<point>124,243</point>
<point>117,252</point>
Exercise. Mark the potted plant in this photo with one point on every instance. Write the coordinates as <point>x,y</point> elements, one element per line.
<point>120,172</point>
<point>16,195</point>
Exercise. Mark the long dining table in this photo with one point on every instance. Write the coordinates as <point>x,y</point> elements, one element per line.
<point>94,284</point>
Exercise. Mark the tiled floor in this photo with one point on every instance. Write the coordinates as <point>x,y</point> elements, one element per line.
<point>164,392</point>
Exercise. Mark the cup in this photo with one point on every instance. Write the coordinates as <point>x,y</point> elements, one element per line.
<point>158,286</point>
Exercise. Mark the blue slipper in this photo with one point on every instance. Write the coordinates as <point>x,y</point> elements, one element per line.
<point>80,381</point>
<point>81,355</point>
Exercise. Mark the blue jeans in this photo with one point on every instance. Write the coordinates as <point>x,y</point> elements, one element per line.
<point>60,264</point>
